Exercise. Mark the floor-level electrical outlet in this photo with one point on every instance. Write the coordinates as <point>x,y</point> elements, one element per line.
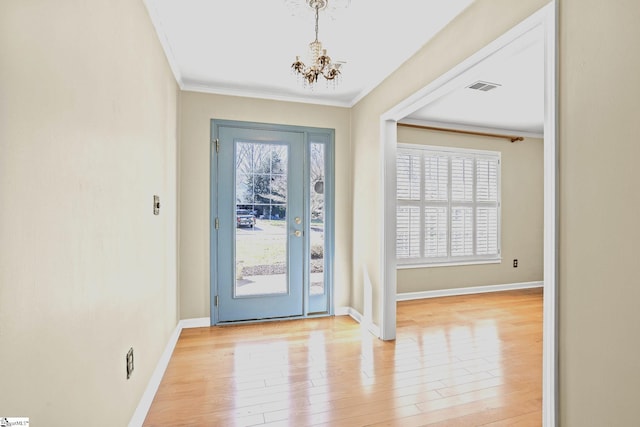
<point>515,263</point>
<point>129,362</point>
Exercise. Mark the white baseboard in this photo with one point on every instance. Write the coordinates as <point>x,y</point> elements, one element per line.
<point>201,322</point>
<point>358,317</point>
<point>342,311</point>
<point>154,382</point>
<point>407,296</point>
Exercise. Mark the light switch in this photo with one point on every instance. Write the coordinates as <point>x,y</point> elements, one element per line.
<point>156,205</point>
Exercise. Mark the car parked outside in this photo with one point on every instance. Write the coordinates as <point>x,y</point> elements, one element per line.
<point>245,218</point>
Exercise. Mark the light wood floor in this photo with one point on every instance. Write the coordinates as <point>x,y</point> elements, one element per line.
<point>457,361</point>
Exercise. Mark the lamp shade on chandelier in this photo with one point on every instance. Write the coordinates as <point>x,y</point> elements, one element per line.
<point>321,64</point>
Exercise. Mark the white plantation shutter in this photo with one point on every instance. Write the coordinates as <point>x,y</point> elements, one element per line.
<point>408,232</point>
<point>461,231</point>
<point>487,211</point>
<point>487,179</point>
<point>436,176</point>
<point>448,207</point>
<point>436,230</point>
<point>487,231</point>
<point>462,179</point>
<point>408,164</point>
<point>408,167</point>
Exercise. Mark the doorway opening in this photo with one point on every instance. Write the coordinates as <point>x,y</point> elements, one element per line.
<point>544,20</point>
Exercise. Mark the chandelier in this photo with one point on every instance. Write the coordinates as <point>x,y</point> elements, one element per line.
<point>321,64</point>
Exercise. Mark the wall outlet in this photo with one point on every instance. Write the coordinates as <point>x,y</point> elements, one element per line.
<point>129,362</point>
<point>515,263</point>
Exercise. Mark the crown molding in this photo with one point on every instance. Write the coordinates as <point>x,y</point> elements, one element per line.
<point>218,90</point>
<point>164,42</point>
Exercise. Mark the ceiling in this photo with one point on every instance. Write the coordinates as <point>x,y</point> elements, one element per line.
<point>246,48</point>
<point>515,104</point>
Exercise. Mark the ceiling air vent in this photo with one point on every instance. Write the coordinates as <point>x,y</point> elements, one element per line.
<point>483,86</point>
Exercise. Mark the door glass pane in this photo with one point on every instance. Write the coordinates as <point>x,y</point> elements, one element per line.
<point>316,239</point>
<point>261,229</point>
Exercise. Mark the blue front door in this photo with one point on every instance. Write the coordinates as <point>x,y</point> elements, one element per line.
<point>272,224</point>
<point>260,250</point>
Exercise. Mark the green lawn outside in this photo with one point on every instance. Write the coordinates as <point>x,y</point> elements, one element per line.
<point>266,244</point>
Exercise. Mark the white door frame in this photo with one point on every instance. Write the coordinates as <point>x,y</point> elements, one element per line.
<point>547,18</point>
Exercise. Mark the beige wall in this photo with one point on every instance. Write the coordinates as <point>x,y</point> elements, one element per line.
<point>522,219</point>
<point>482,22</point>
<point>599,206</point>
<point>87,137</point>
<point>599,212</point>
<point>196,111</point>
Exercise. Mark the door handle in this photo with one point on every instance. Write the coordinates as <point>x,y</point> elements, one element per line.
<point>297,233</point>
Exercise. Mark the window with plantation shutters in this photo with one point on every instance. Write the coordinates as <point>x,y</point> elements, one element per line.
<point>448,207</point>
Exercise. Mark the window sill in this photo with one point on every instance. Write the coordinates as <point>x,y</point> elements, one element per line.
<point>449,264</point>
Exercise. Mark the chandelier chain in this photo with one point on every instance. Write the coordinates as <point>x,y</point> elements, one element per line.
<point>317,12</point>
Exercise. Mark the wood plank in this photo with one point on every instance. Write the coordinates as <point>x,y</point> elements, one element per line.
<point>457,361</point>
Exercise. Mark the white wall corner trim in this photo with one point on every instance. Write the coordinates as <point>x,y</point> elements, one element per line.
<point>154,382</point>
<point>408,296</point>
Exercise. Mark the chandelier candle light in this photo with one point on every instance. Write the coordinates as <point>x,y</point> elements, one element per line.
<point>321,62</point>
